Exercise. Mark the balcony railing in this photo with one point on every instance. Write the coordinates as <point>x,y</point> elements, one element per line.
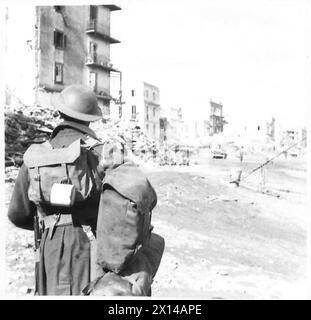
<point>100,61</point>
<point>102,92</point>
<point>91,25</point>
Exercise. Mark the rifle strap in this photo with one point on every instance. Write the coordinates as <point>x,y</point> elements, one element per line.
<point>96,270</point>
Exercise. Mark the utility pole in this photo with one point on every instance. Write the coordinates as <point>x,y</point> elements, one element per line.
<point>120,96</point>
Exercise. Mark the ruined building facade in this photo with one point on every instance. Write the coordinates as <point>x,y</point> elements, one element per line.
<point>142,106</point>
<point>217,120</point>
<point>61,45</point>
<point>173,127</point>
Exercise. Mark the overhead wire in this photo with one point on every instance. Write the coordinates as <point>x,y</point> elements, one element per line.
<point>271,159</point>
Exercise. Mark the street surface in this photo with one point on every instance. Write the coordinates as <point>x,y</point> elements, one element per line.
<point>222,241</point>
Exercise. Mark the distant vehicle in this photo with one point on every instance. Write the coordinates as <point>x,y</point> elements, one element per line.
<point>218,153</point>
<point>293,152</point>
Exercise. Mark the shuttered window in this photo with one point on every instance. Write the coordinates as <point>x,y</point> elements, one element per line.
<point>93,13</point>
<point>133,112</point>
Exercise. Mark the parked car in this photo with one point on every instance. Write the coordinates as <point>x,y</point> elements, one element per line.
<point>293,152</point>
<point>218,153</point>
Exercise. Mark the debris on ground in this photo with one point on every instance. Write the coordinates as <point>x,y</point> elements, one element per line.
<point>25,125</point>
<point>271,193</point>
<point>144,148</point>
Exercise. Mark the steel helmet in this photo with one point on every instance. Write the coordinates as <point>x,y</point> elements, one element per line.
<point>79,102</point>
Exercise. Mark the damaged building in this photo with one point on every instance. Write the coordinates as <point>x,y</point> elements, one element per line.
<point>142,106</point>
<point>173,128</point>
<point>217,120</point>
<point>56,46</point>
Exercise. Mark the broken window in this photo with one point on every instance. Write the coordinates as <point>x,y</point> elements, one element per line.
<point>58,73</point>
<point>147,114</point>
<point>93,81</point>
<point>93,13</point>
<point>58,8</point>
<point>59,39</point>
<point>133,112</point>
<point>93,51</point>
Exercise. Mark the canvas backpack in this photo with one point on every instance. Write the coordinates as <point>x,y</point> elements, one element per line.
<point>67,168</point>
<point>136,279</point>
<point>124,217</point>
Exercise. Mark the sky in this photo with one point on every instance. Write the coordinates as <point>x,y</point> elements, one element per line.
<point>248,55</point>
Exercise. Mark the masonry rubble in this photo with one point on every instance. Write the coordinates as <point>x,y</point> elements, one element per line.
<point>25,125</point>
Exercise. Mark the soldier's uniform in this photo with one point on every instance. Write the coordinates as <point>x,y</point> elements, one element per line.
<point>64,266</point>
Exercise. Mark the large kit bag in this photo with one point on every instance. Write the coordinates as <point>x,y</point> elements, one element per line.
<point>136,278</point>
<point>124,216</point>
<point>60,176</point>
<point>128,252</point>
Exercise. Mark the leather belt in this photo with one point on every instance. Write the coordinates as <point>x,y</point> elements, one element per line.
<point>54,220</point>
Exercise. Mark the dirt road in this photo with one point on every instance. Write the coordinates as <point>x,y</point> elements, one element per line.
<point>222,242</point>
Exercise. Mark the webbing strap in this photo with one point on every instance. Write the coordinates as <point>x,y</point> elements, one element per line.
<point>66,176</point>
<point>95,269</point>
<point>38,180</point>
<point>57,220</point>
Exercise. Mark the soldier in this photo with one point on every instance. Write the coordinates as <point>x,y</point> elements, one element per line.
<point>64,260</point>
<point>241,153</point>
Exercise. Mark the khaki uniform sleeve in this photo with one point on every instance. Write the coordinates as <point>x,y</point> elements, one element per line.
<point>21,210</point>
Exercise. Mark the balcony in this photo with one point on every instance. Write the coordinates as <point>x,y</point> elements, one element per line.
<point>99,61</point>
<point>102,93</point>
<point>92,29</point>
<point>111,7</point>
<point>152,103</point>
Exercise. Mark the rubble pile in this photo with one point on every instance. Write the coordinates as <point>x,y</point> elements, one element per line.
<point>144,148</point>
<point>25,125</point>
<point>129,132</point>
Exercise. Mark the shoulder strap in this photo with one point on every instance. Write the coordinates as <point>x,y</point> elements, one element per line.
<point>89,143</point>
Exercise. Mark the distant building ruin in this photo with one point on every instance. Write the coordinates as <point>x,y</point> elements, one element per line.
<point>294,135</point>
<point>173,128</point>
<point>217,120</point>
<point>142,106</point>
<point>271,129</point>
